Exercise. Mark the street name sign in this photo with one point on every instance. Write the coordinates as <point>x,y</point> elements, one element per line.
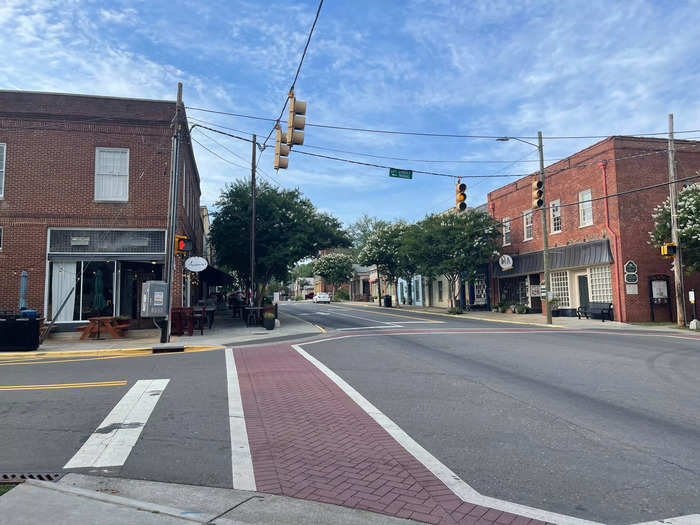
<point>400,174</point>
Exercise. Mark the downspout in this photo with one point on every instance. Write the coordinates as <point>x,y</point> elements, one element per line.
<point>616,248</point>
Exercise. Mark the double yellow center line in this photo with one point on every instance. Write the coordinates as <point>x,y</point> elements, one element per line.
<point>64,385</point>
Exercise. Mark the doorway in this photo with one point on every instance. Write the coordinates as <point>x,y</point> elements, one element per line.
<point>583,290</point>
<point>132,277</point>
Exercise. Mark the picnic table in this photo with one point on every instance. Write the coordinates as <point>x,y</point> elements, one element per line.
<point>100,325</point>
<point>253,315</point>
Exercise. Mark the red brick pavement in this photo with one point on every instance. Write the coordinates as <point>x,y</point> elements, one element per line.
<point>309,440</point>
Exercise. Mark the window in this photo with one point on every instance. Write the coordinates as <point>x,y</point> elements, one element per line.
<point>560,287</point>
<point>527,225</point>
<point>600,284</point>
<point>506,231</point>
<point>585,208</point>
<point>2,170</point>
<point>439,291</point>
<point>111,174</point>
<point>0,238</point>
<point>555,216</point>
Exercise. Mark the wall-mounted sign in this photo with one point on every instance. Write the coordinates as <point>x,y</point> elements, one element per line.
<point>505,262</point>
<point>534,290</point>
<point>659,289</point>
<point>631,267</point>
<point>631,278</point>
<point>691,296</point>
<point>632,289</point>
<point>80,241</point>
<point>196,264</point>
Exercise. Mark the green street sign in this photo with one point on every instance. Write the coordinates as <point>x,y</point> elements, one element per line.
<point>400,174</point>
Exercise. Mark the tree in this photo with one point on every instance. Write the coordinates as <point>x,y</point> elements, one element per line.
<point>362,229</point>
<point>452,244</point>
<point>688,225</point>
<point>381,247</point>
<point>287,229</point>
<point>302,270</point>
<point>335,268</point>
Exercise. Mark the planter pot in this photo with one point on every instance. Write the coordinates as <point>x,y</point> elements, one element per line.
<point>268,323</point>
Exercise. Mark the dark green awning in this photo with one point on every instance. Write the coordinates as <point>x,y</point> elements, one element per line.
<point>573,256</point>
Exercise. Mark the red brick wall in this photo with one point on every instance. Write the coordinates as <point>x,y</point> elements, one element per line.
<point>629,216</point>
<point>50,170</point>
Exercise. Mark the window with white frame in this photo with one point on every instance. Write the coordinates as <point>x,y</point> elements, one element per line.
<point>2,170</point>
<point>506,231</point>
<point>527,225</point>
<point>600,284</point>
<point>555,216</point>
<point>111,174</point>
<point>560,287</point>
<point>585,208</point>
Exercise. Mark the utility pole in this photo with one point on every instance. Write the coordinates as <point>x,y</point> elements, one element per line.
<point>172,215</point>
<point>545,233</point>
<point>252,226</point>
<point>673,198</point>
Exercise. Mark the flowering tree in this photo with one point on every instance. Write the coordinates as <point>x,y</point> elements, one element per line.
<point>688,225</point>
<point>382,248</point>
<point>335,268</point>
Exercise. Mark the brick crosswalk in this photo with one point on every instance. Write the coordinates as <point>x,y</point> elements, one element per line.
<point>309,440</point>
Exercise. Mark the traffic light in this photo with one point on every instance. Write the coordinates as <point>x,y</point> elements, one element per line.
<point>461,196</point>
<point>296,122</point>
<point>668,249</point>
<point>183,244</point>
<point>537,194</point>
<point>281,150</point>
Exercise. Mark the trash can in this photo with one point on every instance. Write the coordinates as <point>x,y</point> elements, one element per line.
<point>18,334</point>
<point>387,301</point>
<point>28,314</point>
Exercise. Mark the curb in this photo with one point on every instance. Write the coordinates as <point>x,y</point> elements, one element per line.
<point>145,350</point>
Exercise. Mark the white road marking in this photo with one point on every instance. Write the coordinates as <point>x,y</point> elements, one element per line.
<point>111,444</point>
<point>690,519</point>
<point>335,312</point>
<point>434,465</point>
<point>369,327</point>
<point>241,460</point>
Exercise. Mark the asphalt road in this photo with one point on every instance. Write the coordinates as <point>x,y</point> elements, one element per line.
<point>603,426</point>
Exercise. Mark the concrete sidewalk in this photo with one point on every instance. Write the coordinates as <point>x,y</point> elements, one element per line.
<point>572,323</point>
<point>79,499</point>
<point>224,331</point>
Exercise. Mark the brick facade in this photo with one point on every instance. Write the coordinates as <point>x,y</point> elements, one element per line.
<point>613,165</point>
<point>50,142</point>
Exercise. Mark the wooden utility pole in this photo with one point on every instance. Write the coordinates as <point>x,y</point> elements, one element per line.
<point>673,198</point>
<point>545,233</point>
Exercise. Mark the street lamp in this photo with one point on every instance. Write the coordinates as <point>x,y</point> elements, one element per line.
<point>545,237</point>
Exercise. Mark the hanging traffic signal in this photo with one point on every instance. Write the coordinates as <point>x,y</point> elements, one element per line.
<point>296,121</point>
<point>537,194</point>
<point>281,150</point>
<point>668,249</point>
<point>461,196</point>
<point>183,244</point>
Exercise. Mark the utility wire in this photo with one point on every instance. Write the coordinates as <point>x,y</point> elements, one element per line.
<point>221,145</point>
<point>296,75</point>
<point>219,156</point>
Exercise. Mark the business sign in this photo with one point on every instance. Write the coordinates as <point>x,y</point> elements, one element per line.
<point>535,290</point>
<point>196,264</point>
<point>505,262</point>
<point>631,278</point>
<point>630,267</point>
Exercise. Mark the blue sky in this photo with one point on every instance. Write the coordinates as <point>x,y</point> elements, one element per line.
<point>485,68</point>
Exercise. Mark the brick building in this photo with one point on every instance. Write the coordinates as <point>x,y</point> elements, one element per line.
<point>84,202</point>
<point>593,242</point>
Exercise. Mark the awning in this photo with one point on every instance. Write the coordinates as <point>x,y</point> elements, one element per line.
<point>215,277</point>
<point>135,257</point>
<point>573,256</point>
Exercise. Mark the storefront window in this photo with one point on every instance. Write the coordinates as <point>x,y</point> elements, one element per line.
<point>480,290</point>
<point>601,285</point>
<point>560,288</point>
<point>97,297</point>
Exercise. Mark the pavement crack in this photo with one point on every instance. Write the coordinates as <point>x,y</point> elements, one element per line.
<point>232,508</point>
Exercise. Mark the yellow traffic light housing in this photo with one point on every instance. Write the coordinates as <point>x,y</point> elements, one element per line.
<point>461,196</point>
<point>668,249</point>
<point>296,121</point>
<point>537,194</point>
<point>183,244</point>
<point>281,150</point>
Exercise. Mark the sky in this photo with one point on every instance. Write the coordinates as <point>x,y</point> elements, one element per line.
<point>493,68</point>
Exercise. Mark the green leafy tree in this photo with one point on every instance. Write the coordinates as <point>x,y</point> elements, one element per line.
<point>382,247</point>
<point>335,268</point>
<point>688,226</point>
<point>302,270</point>
<point>362,229</point>
<point>287,229</point>
<point>453,245</point>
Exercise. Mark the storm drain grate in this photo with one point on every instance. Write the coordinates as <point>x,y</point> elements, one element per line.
<point>19,477</point>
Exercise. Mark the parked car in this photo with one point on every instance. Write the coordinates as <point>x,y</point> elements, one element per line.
<point>322,297</point>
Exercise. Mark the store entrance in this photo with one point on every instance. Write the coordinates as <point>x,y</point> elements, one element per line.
<point>132,277</point>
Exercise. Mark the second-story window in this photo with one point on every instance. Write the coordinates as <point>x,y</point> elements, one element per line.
<point>506,231</point>
<point>2,170</point>
<point>111,174</point>
<point>555,216</point>
<point>585,208</point>
<point>527,225</point>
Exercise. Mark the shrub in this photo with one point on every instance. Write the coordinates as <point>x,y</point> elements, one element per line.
<point>341,295</point>
<point>455,311</point>
<point>502,308</point>
<point>298,298</point>
<point>269,315</point>
<point>521,308</point>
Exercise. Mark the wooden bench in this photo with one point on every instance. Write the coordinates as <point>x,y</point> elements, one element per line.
<point>604,310</point>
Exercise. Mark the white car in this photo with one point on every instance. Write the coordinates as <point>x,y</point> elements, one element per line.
<point>322,297</point>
